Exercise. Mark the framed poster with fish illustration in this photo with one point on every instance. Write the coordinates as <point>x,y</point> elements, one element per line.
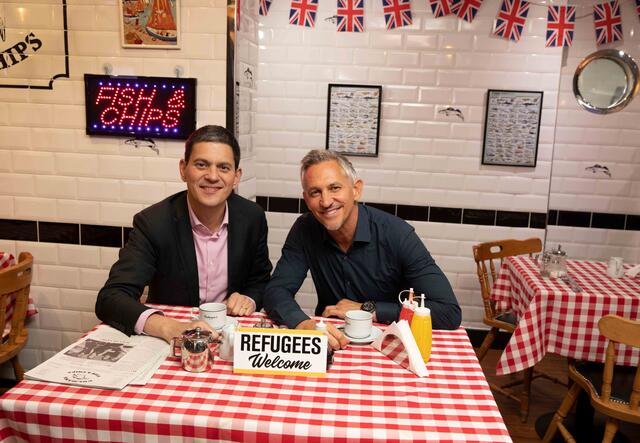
<point>353,119</point>
<point>150,23</point>
<point>512,128</point>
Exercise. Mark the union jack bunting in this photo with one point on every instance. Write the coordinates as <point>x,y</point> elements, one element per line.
<point>350,15</point>
<point>561,20</point>
<point>465,9</point>
<point>397,13</point>
<point>303,13</point>
<point>441,8</point>
<point>638,7</point>
<point>264,6</point>
<point>511,19</point>
<point>606,18</point>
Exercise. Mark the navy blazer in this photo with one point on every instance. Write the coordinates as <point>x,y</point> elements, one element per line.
<point>160,253</point>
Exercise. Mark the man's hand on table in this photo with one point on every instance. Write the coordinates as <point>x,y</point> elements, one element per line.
<point>340,309</point>
<point>337,340</point>
<point>158,325</point>
<point>239,304</point>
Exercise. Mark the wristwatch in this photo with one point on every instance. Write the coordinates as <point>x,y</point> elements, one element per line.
<point>368,306</point>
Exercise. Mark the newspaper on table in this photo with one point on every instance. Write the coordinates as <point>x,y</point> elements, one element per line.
<point>105,358</point>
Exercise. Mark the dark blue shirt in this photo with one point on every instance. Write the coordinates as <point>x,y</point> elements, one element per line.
<point>386,256</point>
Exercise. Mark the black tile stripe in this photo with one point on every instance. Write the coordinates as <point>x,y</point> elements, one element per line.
<point>577,219</point>
<point>386,207</point>
<point>263,202</point>
<point>95,235</point>
<point>67,233</point>
<point>26,230</point>
<point>607,221</point>
<point>538,220</point>
<point>512,218</point>
<point>284,204</point>
<point>479,217</point>
<point>117,236</point>
<point>445,215</point>
<point>417,213</point>
<point>633,223</point>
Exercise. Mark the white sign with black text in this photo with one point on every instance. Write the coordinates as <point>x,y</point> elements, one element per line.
<point>280,351</point>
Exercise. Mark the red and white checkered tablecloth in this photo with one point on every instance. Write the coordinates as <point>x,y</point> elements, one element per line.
<point>364,397</point>
<point>553,318</point>
<point>7,259</point>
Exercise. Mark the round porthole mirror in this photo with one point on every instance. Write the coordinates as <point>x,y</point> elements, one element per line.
<point>606,81</point>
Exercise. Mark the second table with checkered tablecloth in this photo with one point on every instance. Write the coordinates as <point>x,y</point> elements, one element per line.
<point>552,317</point>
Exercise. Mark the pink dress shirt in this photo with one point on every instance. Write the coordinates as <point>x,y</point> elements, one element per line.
<point>211,259</point>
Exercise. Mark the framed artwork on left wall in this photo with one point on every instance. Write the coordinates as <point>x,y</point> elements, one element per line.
<point>150,24</point>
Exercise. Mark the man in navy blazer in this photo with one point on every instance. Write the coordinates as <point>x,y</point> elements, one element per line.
<point>199,245</point>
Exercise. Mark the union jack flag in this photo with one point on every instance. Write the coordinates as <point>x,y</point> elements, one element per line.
<point>350,15</point>
<point>511,19</point>
<point>561,21</point>
<point>264,7</point>
<point>606,18</point>
<point>303,13</point>
<point>397,13</point>
<point>465,9</point>
<point>441,8</point>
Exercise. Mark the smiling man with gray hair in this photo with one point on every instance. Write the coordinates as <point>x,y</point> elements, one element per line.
<point>359,257</point>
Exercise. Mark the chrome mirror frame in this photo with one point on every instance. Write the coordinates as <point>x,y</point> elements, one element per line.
<point>630,69</point>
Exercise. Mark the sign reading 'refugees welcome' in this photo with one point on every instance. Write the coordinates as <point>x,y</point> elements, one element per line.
<point>280,351</point>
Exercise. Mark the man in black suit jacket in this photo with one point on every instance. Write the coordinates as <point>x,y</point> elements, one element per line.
<point>161,253</point>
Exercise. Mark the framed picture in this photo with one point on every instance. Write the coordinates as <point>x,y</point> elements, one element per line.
<point>150,24</point>
<point>353,119</point>
<point>512,128</point>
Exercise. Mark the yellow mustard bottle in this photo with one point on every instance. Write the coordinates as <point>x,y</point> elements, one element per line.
<point>421,329</point>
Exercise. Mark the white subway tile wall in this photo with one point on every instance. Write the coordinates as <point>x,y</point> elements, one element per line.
<point>584,139</point>
<point>51,171</point>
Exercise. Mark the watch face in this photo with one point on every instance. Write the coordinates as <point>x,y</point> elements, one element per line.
<point>368,306</point>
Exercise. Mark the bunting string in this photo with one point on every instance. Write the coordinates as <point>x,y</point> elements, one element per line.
<point>509,21</point>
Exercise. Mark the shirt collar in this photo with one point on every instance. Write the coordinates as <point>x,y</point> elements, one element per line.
<point>363,227</point>
<point>198,225</point>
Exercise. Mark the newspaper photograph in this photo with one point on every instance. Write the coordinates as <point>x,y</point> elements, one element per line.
<point>105,358</point>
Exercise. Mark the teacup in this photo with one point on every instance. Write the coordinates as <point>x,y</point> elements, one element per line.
<point>615,269</point>
<point>214,313</point>
<point>358,324</point>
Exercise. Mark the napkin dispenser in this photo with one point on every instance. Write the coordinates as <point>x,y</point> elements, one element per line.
<point>553,263</point>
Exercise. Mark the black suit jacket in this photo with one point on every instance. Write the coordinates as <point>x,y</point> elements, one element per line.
<point>160,253</point>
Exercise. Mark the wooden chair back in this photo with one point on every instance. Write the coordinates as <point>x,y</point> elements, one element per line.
<point>619,331</point>
<point>488,257</point>
<point>15,284</point>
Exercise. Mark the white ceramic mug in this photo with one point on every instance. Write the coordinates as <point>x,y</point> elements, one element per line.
<point>214,313</point>
<point>615,269</point>
<point>358,324</point>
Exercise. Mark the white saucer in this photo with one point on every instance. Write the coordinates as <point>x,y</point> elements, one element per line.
<point>375,333</point>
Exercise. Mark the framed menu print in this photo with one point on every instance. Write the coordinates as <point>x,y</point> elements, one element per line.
<point>512,128</point>
<point>353,119</point>
<point>150,23</point>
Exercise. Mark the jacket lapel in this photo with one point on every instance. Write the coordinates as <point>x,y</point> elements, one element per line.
<point>235,230</point>
<point>185,248</point>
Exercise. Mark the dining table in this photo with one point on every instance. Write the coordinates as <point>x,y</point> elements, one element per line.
<point>364,396</point>
<point>6,260</point>
<point>560,315</point>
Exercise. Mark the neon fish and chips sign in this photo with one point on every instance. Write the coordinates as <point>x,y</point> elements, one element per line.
<point>140,106</point>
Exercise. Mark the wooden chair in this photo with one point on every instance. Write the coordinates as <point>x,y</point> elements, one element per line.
<point>488,257</point>
<point>15,281</point>
<point>614,393</point>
